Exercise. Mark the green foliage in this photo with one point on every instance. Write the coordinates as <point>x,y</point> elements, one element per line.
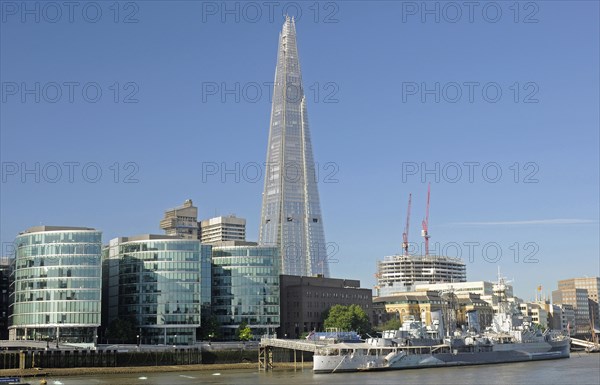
<point>210,329</point>
<point>243,332</point>
<point>348,318</point>
<point>304,335</point>
<point>393,324</point>
<point>122,330</point>
<point>537,326</point>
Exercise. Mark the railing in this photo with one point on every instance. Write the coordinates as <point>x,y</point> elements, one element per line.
<point>303,345</point>
<point>585,344</point>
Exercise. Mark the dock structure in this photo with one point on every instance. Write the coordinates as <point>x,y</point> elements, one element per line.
<point>583,343</point>
<point>267,345</point>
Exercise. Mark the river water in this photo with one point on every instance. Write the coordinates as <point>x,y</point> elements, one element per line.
<point>581,368</point>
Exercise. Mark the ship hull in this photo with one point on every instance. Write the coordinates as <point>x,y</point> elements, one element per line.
<point>500,354</point>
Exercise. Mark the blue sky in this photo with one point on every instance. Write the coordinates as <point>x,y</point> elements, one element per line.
<point>185,88</point>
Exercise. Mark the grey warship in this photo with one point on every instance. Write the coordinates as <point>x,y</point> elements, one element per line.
<point>510,338</point>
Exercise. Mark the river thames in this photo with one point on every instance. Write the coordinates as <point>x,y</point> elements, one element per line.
<point>581,368</point>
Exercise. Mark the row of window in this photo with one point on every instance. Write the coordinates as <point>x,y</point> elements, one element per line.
<point>310,294</point>
<point>161,319</point>
<point>236,281</point>
<point>57,295</point>
<point>58,272</point>
<point>135,265</point>
<point>179,290</point>
<point>61,283</point>
<point>160,278</point>
<point>56,307</point>
<point>54,318</point>
<point>58,260</point>
<point>60,237</point>
<point>175,298</point>
<point>267,253</point>
<point>48,250</point>
<point>169,246</point>
<point>166,256</point>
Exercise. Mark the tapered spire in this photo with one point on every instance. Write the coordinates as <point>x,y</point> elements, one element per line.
<point>291,212</point>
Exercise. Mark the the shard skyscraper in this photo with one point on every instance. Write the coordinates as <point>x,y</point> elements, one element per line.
<point>291,213</point>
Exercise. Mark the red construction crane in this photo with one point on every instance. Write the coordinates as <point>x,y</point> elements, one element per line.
<point>405,233</point>
<point>425,222</point>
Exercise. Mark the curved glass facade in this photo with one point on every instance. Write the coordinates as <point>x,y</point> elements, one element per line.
<point>57,285</point>
<point>246,288</point>
<point>163,284</point>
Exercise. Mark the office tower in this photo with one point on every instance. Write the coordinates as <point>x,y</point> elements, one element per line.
<point>158,283</point>
<point>223,229</point>
<point>57,285</point>
<point>291,214</point>
<point>578,299</point>
<point>181,221</point>
<point>245,288</point>
<point>592,285</point>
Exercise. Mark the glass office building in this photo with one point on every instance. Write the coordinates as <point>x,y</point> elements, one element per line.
<point>57,285</point>
<point>246,288</point>
<point>159,283</point>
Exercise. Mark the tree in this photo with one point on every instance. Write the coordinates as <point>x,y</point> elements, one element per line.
<point>243,332</point>
<point>210,328</point>
<point>348,318</point>
<point>393,324</point>
<point>122,330</point>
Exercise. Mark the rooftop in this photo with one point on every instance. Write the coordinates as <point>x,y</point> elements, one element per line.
<point>40,229</point>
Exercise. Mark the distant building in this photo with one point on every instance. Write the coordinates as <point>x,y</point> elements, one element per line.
<point>578,299</point>
<point>57,285</point>
<point>305,300</point>
<point>592,285</point>
<point>245,287</point>
<point>181,221</point>
<point>223,229</point>
<point>379,315</point>
<point>471,302</point>
<point>160,283</point>
<point>484,289</point>
<point>419,304</point>
<point>4,296</point>
<point>561,317</point>
<point>536,312</point>
<point>399,273</point>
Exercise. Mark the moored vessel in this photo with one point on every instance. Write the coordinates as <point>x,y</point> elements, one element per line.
<point>511,338</point>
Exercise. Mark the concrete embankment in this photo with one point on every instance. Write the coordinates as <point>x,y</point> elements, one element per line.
<point>41,373</point>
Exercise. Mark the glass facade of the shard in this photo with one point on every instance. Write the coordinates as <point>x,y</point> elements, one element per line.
<point>291,214</point>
